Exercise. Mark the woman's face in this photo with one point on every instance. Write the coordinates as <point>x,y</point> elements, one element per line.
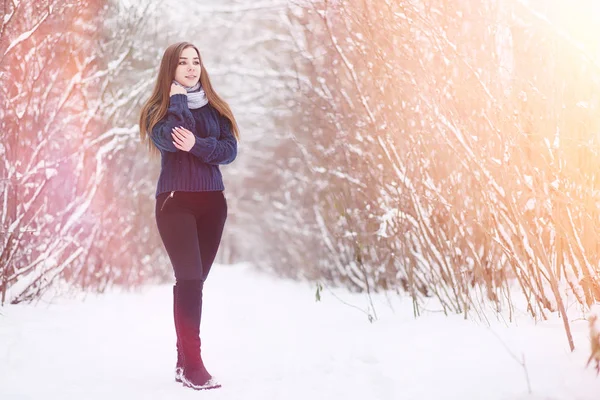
<point>188,68</point>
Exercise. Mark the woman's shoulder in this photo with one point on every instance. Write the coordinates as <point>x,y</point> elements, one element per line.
<point>216,114</point>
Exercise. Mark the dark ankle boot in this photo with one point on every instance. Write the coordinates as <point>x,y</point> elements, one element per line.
<point>179,368</point>
<point>199,378</point>
<point>189,314</point>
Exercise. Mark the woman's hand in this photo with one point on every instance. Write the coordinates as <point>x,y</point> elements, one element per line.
<point>183,139</point>
<point>176,89</point>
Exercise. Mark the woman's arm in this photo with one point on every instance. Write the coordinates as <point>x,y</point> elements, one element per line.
<point>178,114</point>
<point>217,151</point>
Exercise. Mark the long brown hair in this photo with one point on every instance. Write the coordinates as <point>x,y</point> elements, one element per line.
<point>156,106</point>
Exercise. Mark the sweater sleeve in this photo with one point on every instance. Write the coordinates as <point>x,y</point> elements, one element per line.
<point>217,151</point>
<point>178,114</point>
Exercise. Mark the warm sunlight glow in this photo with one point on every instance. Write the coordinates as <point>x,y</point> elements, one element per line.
<point>579,21</point>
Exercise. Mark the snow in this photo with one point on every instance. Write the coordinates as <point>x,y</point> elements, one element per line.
<point>50,172</point>
<point>267,338</point>
<point>530,205</point>
<point>25,35</point>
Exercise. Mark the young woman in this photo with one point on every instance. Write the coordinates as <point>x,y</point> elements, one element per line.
<point>195,131</point>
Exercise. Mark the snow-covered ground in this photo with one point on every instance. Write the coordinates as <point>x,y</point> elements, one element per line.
<point>266,338</point>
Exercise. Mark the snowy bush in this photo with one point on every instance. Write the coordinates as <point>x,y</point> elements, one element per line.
<point>445,149</point>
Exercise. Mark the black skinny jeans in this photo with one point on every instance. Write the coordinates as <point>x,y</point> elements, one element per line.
<point>190,225</point>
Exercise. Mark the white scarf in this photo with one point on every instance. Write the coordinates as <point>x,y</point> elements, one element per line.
<point>195,94</point>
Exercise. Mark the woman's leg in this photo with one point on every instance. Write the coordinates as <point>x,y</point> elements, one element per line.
<point>210,229</point>
<point>212,213</point>
<point>177,228</point>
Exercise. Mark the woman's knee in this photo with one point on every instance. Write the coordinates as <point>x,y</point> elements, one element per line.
<point>189,283</point>
<point>188,272</point>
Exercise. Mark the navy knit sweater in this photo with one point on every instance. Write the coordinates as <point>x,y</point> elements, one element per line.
<point>198,169</point>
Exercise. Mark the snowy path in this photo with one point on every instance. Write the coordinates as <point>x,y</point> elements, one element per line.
<point>268,339</point>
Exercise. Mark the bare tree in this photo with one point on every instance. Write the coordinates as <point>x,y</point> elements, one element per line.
<point>62,208</point>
